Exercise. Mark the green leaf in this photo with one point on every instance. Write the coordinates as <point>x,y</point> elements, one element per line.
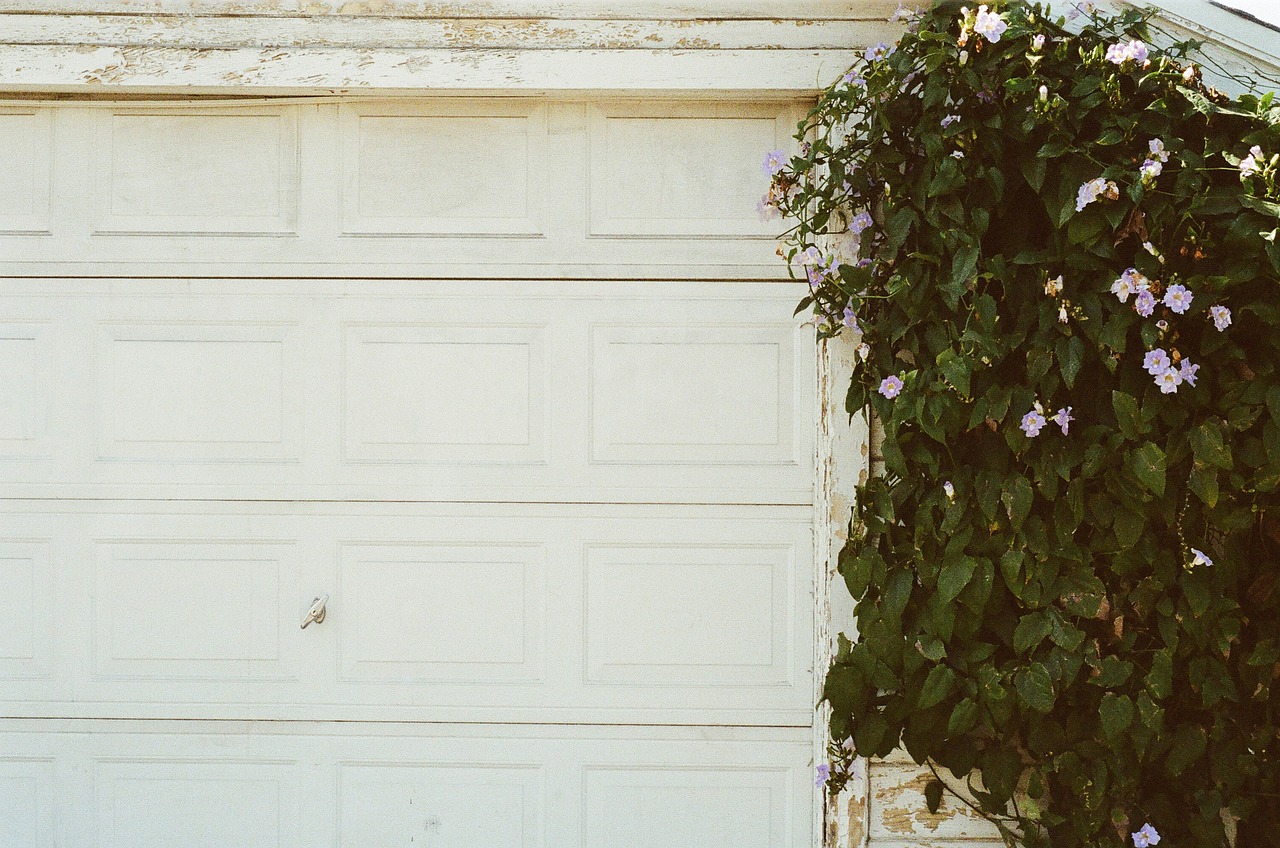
<point>963,718</point>
<point>937,686</point>
<point>1017,499</point>
<point>963,266</point>
<point>1070,352</point>
<point>1159,681</point>
<point>933,795</point>
<point>955,575</point>
<point>1116,714</point>
<point>1207,445</point>
<point>1035,687</point>
<point>1127,417</point>
<point>1149,466</point>
<point>1031,631</point>
<point>1204,483</point>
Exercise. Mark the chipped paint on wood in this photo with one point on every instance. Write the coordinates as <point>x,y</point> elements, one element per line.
<point>555,9</point>
<point>211,33</point>
<point>898,807</point>
<point>193,70</point>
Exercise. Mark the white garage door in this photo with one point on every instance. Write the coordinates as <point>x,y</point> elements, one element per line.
<point>564,528</point>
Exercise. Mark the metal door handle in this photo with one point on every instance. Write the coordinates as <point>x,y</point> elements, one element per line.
<point>316,613</point>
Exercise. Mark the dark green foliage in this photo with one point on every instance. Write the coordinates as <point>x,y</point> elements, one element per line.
<point>1047,621</point>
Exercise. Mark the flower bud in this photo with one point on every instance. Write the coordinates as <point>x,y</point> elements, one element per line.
<point>1044,94</point>
<point>964,56</point>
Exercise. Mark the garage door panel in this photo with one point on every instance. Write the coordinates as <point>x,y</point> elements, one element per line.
<point>26,801</point>
<point>184,392</point>
<point>460,395</point>
<point>26,608</point>
<point>26,170</point>
<point>146,802</point>
<point>26,374</point>
<point>288,785</point>
<point>203,610</point>
<point>442,613</point>
<point>410,391</point>
<point>661,614</point>
<point>174,172</point>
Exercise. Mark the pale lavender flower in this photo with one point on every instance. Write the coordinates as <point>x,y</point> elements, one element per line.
<point>1145,303</point>
<point>957,154</point>
<point>1037,41</point>
<point>950,490</point>
<point>1221,317</point>
<point>1079,8</point>
<point>1199,558</point>
<point>1169,380</point>
<point>1130,282</point>
<point>1178,298</point>
<point>1150,169</point>
<point>1156,146</point>
<point>989,24</point>
<point>891,386</point>
<point>876,51</point>
<point>1095,188</point>
<point>814,276</point>
<point>864,263</point>
<point>1145,837</point>
<point>1250,165</point>
<point>1187,372</point>
<point>774,161</point>
<point>1120,52</point>
<point>850,318</point>
<point>1156,362</point>
<point>860,222</point>
<point>853,79</point>
<point>811,255</point>
<point>823,773</point>
<point>1063,419</point>
<point>1162,325</point>
<point>949,120</point>
<point>766,210</point>
<point>1032,423</point>
<point>863,350</point>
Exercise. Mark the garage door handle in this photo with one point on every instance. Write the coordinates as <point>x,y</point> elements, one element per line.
<point>316,613</point>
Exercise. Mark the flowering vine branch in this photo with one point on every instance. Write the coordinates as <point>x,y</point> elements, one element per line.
<point>1056,251</point>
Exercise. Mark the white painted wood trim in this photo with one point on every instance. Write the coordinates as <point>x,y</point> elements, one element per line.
<point>189,71</point>
<point>465,9</point>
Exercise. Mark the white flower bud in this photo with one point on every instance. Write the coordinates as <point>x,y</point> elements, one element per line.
<point>1044,94</point>
<point>964,56</point>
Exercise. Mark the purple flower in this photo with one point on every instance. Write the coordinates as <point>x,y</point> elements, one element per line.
<point>1199,558</point>
<point>1187,372</point>
<point>864,263</point>
<point>1063,419</point>
<point>1145,837</point>
<point>853,79</point>
<point>1130,282</point>
<point>1032,423</point>
<point>1169,380</point>
<point>774,161</point>
<point>949,490</point>
<point>989,24</point>
<point>1037,41</point>
<point>1150,169</point>
<point>891,386</point>
<point>1120,52</point>
<point>1145,303</point>
<point>860,222</point>
<point>850,317</point>
<point>1095,188</point>
<point>1156,362</point>
<point>1177,298</point>
<point>876,51</point>
<point>1156,146</point>
<point>1249,165</point>
<point>1221,317</point>
<point>823,773</point>
<point>814,276</point>
<point>949,120</point>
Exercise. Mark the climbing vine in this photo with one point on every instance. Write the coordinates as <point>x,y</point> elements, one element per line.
<point>1056,250</point>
